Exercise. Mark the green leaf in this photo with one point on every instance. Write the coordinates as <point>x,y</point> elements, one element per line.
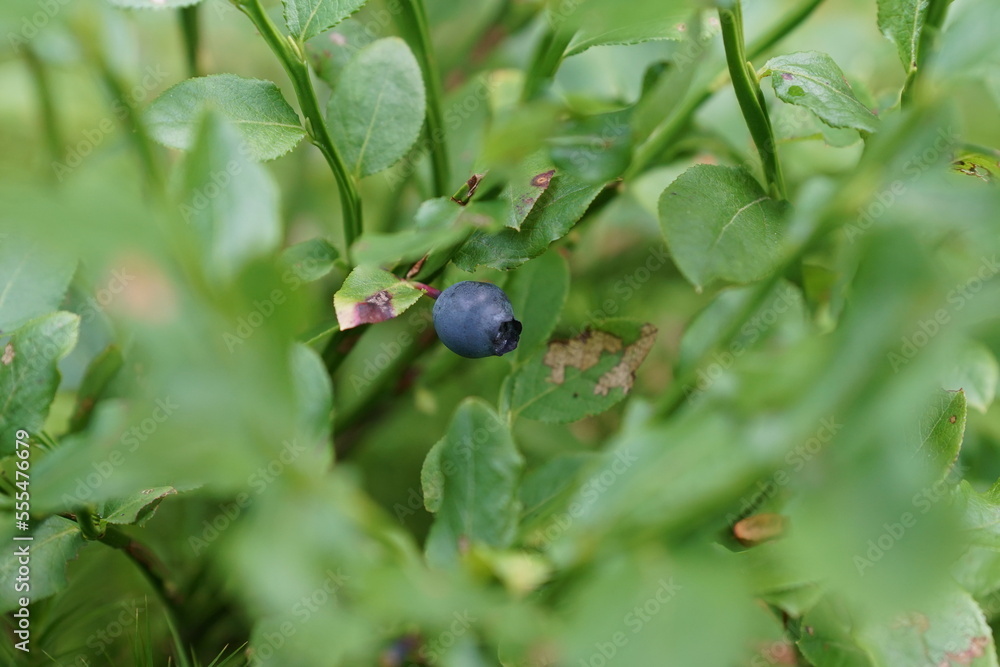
<point>439,224</point>
<point>313,395</point>
<point>902,21</point>
<point>376,111</point>
<point>153,4</point>
<point>940,431</point>
<point>572,379</point>
<point>309,260</point>
<point>719,224</point>
<point>555,213</point>
<point>33,281</point>
<point>268,125</point>
<point>984,165</point>
<point>29,376</point>
<point>781,318</point>
<point>100,374</point>
<point>330,53</point>
<point>812,80</point>
<point>137,508</point>
<point>528,182</point>
<point>537,292</point>
<point>479,468</point>
<point>673,25</point>
<point>308,18</point>
<point>976,373</point>
<point>597,148</point>
<point>229,200</point>
<point>56,541</point>
<point>949,630</point>
<point>370,295</point>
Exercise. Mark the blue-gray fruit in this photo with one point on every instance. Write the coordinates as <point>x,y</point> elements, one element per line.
<point>476,320</point>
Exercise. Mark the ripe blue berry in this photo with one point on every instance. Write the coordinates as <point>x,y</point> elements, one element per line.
<point>476,320</point>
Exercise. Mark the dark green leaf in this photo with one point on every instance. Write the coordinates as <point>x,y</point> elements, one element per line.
<point>811,79</point>
<point>672,25</point>
<point>268,125</point>
<point>479,469</point>
<point>101,373</point>
<point>537,292</point>
<point>308,18</point>
<point>371,295</point>
<point>28,374</point>
<point>719,224</point>
<point>377,109</point>
<point>555,213</point>
<point>56,541</point>
<point>596,149</point>
<point>569,380</point>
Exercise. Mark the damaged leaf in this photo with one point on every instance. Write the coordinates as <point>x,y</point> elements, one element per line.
<point>940,430</point>
<point>585,375</point>
<point>526,185</point>
<point>371,295</point>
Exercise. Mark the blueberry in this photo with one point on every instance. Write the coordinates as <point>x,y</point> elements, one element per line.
<point>476,320</point>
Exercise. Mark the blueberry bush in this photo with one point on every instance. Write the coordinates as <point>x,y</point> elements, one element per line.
<point>732,295</point>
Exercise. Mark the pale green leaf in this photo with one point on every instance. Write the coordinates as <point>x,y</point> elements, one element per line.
<point>902,21</point>
<point>308,18</point>
<point>55,541</point>
<point>267,124</point>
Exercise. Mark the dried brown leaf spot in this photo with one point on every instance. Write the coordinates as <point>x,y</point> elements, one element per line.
<point>760,528</point>
<point>584,352</point>
<point>376,308</point>
<point>8,355</point>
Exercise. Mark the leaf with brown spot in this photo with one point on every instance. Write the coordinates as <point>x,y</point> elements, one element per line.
<point>585,375</point>
<point>371,295</point>
<point>8,355</point>
<point>526,185</point>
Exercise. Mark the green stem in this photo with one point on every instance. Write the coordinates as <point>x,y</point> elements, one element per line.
<point>292,57</point>
<point>46,102</point>
<point>673,125</point>
<point>85,518</point>
<point>191,32</point>
<point>135,126</point>
<point>749,96</point>
<point>414,23</point>
<point>934,19</point>
<point>545,61</point>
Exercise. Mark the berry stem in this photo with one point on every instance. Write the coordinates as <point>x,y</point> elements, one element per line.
<point>432,292</point>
